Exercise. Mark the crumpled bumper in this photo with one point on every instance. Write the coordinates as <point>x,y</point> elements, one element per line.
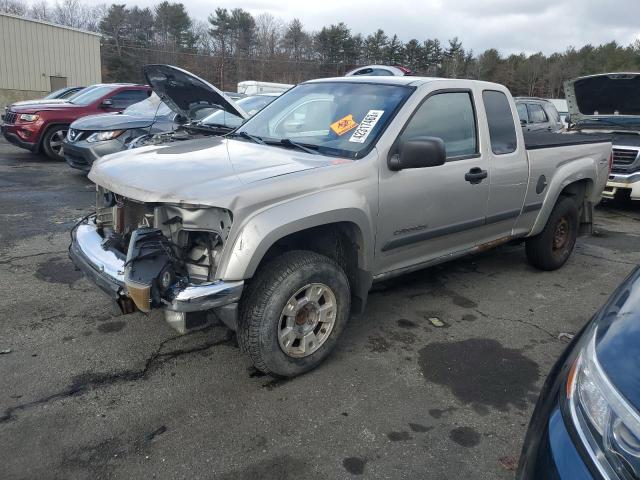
<point>620,184</point>
<point>106,269</point>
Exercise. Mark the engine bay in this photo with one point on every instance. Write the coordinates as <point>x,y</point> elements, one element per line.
<point>163,245</point>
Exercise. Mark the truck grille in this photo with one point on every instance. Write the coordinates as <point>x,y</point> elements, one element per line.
<point>623,156</point>
<point>10,117</point>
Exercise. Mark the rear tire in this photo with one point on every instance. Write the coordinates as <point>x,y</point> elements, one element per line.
<point>52,141</point>
<point>551,248</point>
<point>293,312</point>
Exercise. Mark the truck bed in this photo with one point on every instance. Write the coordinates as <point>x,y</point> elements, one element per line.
<point>537,140</point>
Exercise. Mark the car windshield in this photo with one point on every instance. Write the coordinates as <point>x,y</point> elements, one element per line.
<point>332,118</point>
<point>91,95</point>
<point>82,91</point>
<point>149,107</point>
<point>251,105</point>
<point>55,93</point>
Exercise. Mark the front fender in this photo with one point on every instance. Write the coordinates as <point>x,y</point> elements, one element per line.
<point>266,227</point>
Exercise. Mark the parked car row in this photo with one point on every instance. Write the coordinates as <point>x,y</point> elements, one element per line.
<point>103,119</point>
<point>42,126</point>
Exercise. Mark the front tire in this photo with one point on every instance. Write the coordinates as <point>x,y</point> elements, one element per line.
<point>52,142</point>
<point>551,248</point>
<point>293,312</point>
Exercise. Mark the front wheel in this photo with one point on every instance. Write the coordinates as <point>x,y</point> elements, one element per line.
<point>551,248</point>
<point>52,141</point>
<point>293,312</point>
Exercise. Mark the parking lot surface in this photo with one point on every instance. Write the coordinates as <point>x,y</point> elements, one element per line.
<point>437,379</point>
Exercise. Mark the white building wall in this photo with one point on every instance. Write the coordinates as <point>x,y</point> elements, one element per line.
<point>31,52</point>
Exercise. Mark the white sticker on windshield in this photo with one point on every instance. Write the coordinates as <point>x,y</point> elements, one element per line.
<point>366,125</point>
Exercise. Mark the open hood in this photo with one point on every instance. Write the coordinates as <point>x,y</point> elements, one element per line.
<point>187,94</point>
<point>600,97</point>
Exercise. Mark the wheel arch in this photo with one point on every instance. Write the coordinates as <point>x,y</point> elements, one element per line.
<point>343,235</point>
<point>575,186</point>
<point>45,130</point>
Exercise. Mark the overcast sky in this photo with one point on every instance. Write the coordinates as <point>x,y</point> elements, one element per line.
<point>508,25</point>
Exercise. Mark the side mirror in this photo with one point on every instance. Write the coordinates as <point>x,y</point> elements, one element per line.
<point>419,152</point>
<point>523,122</point>
<point>180,119</point>
<point>107,103</point>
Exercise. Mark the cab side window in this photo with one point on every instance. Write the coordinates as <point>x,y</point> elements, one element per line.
<point>125,98</point>
<point>522,112</point>
<point>536,113</point>
<point>449,116</point>
<point>502,131</point>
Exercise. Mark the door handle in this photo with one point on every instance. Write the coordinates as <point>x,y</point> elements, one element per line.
<point>475,175</point>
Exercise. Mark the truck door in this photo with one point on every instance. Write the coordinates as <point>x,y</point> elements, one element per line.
<point>426,213</point>
<point>508,165</point>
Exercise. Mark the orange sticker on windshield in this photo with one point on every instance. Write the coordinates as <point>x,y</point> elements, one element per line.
<point>344,125</point>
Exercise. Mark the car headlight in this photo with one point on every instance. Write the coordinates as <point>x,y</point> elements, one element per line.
<point>29,117</point>
<point>102,136</point>
<point>607,424</point>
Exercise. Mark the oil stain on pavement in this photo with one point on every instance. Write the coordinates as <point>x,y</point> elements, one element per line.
<point>111,327</point>
<point>354,465</point>
<point>465,436</point>
<point>480,371</point>
<point>398,436</point>
<point>58,270</point>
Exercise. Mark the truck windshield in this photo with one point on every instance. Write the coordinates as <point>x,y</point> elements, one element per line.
<point>332,118</point>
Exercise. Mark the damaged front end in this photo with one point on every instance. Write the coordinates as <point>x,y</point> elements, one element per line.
<point>153,255</point>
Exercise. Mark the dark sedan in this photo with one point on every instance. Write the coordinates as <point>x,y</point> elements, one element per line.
<point>586,423</point>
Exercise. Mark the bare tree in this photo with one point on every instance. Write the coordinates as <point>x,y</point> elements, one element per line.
<point>40,11</point>
<point>13,7</point>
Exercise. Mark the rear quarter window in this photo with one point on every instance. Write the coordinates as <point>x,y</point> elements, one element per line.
<point>502,130</point>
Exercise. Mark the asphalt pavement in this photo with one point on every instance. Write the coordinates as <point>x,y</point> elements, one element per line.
<point>437,379</point>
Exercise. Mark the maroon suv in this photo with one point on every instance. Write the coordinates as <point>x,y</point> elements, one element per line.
<point>43,127</point>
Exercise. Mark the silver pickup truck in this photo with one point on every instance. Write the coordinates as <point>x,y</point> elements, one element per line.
<point>282,226</point>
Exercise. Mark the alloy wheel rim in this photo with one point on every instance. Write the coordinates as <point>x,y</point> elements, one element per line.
<point>307,320</point>
<point>55,143</point>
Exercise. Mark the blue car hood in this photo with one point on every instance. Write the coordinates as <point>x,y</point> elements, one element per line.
<point>618,339</point>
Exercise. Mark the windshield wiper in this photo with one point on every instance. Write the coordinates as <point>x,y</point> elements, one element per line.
<point>287,142</point>
<point>248,136</point>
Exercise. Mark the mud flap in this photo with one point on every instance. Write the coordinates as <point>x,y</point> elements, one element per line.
<point>585,226</point>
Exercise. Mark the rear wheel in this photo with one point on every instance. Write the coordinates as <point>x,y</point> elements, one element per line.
<point>52,141</point>
<point>550,249</point>
<point>293,312</point>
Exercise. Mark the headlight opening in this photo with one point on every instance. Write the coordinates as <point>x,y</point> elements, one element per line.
<point>607,424</point>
